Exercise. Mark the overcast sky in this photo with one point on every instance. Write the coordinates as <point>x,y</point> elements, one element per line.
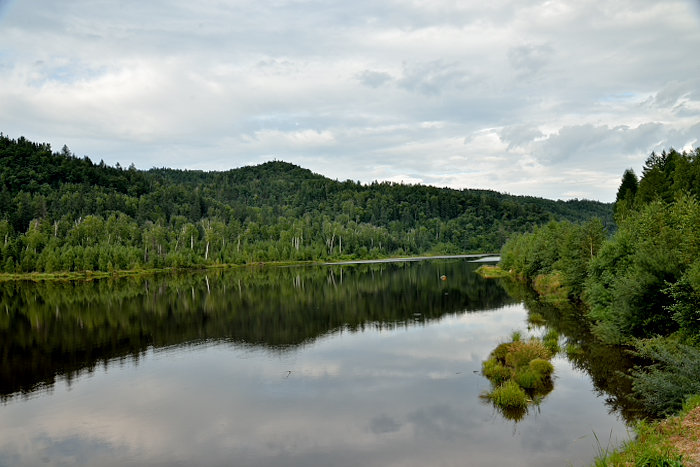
<point>546,98</point>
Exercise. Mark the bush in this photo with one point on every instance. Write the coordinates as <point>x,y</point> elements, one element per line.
<point>509,395</point>
<point>541,367</point>
<point>664,386</point>
<point>551,341</point>
<point>500,352</point>
<point>495,371</point>
<point>521,353</point>
<point>519,373</point>
<point>527,378</point>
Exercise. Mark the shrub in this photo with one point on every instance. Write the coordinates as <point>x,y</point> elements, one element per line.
<point>520,374</point>
<point>521,352</point>
<point>495,371</point>
<point>541,367</point>
<point>500,352</point>
<point>509,395</point>
<point>551,341</point>
<point>527,378</point>
<point>674,376</point>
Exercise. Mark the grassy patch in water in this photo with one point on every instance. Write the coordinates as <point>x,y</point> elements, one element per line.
<point>509,395</point>
<point>551,287</point>
<point>520,374</point>
<point>492,272</point>
<point>551,341</point>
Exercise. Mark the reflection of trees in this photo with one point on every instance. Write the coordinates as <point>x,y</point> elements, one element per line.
<point>607,365</point>
<point>60,328</point>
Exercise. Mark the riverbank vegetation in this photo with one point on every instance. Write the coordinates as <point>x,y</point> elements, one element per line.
<point>639,286</point>
<point>62,213</point>
<point>672,442</point>
<point>520,373</point>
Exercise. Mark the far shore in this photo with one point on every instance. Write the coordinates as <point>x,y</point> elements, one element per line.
<point>92,275</point>
<point>476,258</point>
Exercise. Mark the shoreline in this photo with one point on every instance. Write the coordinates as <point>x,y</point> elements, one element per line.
<point>93,275</point>
<point>477,257</point>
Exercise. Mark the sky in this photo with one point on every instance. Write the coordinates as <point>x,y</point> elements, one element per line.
<point>545,98</point>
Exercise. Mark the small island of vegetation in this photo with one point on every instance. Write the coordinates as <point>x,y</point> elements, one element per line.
<point>520,373</point>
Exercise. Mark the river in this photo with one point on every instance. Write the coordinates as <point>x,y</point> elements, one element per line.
<point>343,365</point>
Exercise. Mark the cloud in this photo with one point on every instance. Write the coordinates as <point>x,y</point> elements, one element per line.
<point>433,78</point>
<point>373,79</point>
<point>529,59</point>
<point>350,89</point>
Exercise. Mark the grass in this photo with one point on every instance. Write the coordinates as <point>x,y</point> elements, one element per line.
<point>520,374</point>
<point>673,442</point>
<point>492,272</point>
<point>536,319</point>
<point>551,341</point>
<point>509,395</point>
<point>551,287</point>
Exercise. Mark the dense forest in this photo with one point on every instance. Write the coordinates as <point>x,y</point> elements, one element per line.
<point>640,286</point>
<point>59,212</point>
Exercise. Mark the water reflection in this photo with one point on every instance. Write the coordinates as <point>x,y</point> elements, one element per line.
<point>268,367</point>
<point>52,329</point>
<point>607,365</point>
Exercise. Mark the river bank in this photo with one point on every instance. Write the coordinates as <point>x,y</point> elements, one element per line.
<point>92,275</point>
<point>672,441</point>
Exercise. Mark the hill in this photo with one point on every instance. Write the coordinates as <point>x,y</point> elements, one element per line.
<point>59,212</point>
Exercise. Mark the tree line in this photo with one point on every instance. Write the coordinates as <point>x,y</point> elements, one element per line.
<point>640,285</point>
<point>60,212</point>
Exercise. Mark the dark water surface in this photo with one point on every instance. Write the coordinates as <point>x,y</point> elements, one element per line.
<point>355,365</point>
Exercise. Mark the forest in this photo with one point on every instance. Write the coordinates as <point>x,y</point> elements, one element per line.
<point>639,287</point>
<point>60,212</point>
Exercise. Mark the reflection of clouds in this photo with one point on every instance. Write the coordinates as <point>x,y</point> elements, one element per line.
<point>440,422</point>
<point>366,398</point>
<point>384,424</point>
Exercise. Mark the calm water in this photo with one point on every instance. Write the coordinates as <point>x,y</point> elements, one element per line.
<point>345,366</point>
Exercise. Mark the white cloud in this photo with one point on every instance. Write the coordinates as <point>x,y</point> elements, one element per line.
<point>538,89</point>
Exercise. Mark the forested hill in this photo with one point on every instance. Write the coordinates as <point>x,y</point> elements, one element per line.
<point>59,212</point>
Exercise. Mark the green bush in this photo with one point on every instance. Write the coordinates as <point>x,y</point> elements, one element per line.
<point>500,352</point>
<point>522,352</point>
<point>665,385</point>
<point>551,341</point>
<point>527,378</point>
<point>541,367</point>
<point>495,371</point>
<point>509,395</point>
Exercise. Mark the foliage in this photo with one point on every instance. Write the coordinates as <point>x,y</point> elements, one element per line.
<point>509,395</point>
<point>624,201</point>
<point>658,444</point>
<point>644,281</point>
<point>59,212</point>
<point>671,379</point>
<point>520,372</point>
<point>556,255</point>
<point>551,341</point>
<point>492,272</point>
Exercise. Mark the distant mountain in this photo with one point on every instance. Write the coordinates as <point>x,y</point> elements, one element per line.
<point>59,212</point>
